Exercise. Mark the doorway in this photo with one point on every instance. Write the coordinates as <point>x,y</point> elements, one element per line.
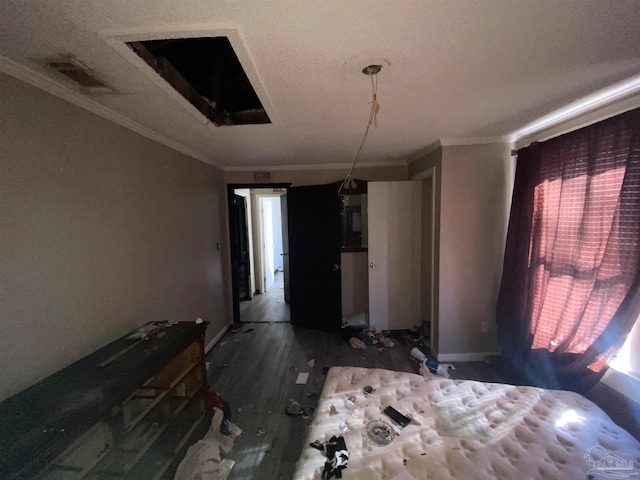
<point>428,267</point>
<point>257,261</point>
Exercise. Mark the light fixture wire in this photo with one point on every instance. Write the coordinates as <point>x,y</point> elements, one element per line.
<point>373,113</point>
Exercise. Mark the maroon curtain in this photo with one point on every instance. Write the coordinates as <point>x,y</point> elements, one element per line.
<point>572,259</point>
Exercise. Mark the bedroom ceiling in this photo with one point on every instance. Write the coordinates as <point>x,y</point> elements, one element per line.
<point>451,70</point>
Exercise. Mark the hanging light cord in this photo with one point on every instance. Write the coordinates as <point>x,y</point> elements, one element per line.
<point>373,113</point>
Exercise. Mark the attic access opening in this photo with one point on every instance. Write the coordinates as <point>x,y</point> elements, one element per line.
<point>207,73</point>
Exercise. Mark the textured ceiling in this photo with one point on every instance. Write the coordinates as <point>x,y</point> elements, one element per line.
<point>452,70</point>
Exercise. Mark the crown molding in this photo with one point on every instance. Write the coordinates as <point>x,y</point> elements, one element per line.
<point>454,142</point>
<point>45,83</point>
<point>606,103</point>
<point>320,166</point>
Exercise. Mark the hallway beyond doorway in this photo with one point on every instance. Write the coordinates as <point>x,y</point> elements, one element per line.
<point>267,307</point>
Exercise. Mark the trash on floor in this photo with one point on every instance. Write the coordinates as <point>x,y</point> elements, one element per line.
<point>311,363</point>
<point>203,459</point>
<point>429,366</point>
<point>294,409</point>
<point>260,432</point>
<point>356,343</point>
<point>358,320</point>
<point>302,378</point>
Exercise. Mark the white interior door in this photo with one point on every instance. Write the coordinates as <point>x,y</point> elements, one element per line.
<point>394,254</point>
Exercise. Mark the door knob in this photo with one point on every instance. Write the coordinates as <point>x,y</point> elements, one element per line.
<point>282,254</point>
<point>336,267</point>
<point>372,265</point>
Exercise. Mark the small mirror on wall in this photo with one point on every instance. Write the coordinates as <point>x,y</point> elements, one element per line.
<point>354,217</point>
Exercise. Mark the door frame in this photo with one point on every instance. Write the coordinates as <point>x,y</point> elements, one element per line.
<point>421,176</point>
<point>234,252</point>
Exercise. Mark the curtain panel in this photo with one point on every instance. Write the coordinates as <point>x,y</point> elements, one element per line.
<point>571,274</point>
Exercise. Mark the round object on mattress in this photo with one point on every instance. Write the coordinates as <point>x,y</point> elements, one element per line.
<point>380,432</point>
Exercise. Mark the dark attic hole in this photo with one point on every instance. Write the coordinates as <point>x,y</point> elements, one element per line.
<point>207,72</point>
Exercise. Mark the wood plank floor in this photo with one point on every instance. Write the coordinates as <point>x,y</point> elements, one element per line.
<point>255,371</point>
<point>267,307</point>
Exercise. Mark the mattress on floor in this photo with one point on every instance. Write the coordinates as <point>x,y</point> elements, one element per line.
<point>463,429</point>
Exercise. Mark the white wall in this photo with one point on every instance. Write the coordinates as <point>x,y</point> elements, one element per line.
<point>102,230</point>
<point>276,221</point>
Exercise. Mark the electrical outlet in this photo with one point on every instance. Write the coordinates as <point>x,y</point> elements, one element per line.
<point>484,327</point>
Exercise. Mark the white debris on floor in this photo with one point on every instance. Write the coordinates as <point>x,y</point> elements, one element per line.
<point>203,459</point>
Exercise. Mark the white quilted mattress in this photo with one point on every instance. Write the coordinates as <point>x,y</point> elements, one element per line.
<point>465,430</point>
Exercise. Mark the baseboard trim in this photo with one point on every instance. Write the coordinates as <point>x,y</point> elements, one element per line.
<point>464,357</point>
<point>215,340</point>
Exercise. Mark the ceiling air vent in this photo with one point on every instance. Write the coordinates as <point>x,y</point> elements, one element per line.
<point>77,72</point>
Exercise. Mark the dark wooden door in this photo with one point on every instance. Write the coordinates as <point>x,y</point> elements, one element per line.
<point>314,256</point>
<point>285,247</point>
<point>242,242</point>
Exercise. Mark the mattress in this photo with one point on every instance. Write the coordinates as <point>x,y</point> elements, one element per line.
<point>464,429</point>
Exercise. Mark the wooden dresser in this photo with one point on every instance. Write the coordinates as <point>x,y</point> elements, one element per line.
<point>128,410</point>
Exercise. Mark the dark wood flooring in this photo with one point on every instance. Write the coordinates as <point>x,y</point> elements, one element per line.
<point>255,371</point>
<point>267,307</point>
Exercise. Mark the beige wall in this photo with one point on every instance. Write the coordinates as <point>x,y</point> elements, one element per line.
<point>473,186</point>
<point>322,176</point>
<point>102,230</point>
<point>432,162</point>
<point>475,201</point>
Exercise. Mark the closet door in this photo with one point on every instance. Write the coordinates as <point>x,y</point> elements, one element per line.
<point>394,215</point>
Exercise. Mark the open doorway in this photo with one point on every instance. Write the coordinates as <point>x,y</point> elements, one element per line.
<point>258,264</point>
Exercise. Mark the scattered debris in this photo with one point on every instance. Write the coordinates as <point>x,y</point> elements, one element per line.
<point>387,342</point>
<point>198,321</point>
<point>207,365</point>
<point>222,343</point>
<point>260,432</point>
<point>294,409</point>
<point>357,343</point>
<point>362,357</point>
<point>302,378</point>
<point>202,460</point>
<point>311,363</point>
<point>359,320</point>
